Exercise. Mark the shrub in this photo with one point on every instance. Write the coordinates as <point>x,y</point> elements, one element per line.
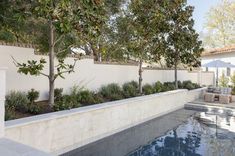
<point>74,94</point>
<point>111,92</point>
<point>9,114</point>
<point>66,102</point>
<point>58,93</point>
<point>189,85</point>
<point>130,89</point>
<point>168,86</point>
<point>98,98</point>
<point>233,79</point>
<point>196,86</point>
<point>87,97</point>
<point>148,89</point>
<point>135,84</point>
<point>233,91</point>
<point>33,95</point>
<point>16,100</point>
<point>180,84</point>
<point>34,109</point>
<point>158,87</point>
<point>223,80</point>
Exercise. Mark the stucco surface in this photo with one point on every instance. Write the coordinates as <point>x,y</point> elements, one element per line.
<point>2,99</point>
<point>63,131</point>
<point>87,73</point>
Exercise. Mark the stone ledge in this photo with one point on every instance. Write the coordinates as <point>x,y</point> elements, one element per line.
<point>61,114</point>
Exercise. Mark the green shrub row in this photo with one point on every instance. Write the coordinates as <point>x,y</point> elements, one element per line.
<point>25,102</point>
<point>22,102</point>
<point>112,92</point>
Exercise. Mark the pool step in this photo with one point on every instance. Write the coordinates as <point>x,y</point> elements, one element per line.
<point>217,108</point>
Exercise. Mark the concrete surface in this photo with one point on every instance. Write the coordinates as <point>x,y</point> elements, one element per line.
<point>63,131</point>
<point>11,148</point>
<point>2,99</point>
<point>122,143</point>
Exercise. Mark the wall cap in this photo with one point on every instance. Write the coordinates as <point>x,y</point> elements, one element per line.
<point>62,114</point>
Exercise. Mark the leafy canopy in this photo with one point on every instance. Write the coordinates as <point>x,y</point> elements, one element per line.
<point>220,25</point>
<point>183,44</point>
<point>141,29</point>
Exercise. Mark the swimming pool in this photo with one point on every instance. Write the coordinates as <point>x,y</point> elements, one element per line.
<point>204,133</point>
<point>180,133</point>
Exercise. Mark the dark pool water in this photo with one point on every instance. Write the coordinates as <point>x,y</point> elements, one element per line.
<point>203,134</point>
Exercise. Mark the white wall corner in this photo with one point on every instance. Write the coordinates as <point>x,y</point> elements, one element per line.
<point>2,99</point>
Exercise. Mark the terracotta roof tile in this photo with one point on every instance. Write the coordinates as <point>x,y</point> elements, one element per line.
<point>228,49</point>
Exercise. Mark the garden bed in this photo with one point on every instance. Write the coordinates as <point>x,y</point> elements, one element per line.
<point>21,104</point>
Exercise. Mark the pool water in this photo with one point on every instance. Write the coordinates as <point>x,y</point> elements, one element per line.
<point>203,134</point>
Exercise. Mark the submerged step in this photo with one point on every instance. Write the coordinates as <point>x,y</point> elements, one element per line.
<point>213,108</point>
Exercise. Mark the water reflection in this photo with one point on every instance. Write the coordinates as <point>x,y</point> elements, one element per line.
<point>204,134</point>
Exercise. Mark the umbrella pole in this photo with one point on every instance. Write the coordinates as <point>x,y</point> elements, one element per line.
<point>217,76</point>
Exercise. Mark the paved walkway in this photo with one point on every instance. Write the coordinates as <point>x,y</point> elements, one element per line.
<point>12,148</point>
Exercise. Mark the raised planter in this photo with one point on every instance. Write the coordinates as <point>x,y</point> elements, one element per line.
<point>63,131</point>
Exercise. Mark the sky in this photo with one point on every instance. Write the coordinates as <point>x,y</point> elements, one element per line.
<point>200,11</point>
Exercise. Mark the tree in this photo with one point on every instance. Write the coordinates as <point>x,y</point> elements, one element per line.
<point>65,24</point>
<point>220,25</point>
<point>140,31</point>
<point>233,79</point>
<point>12,27</point>
<point>223,80</point>
<point>183,45</point>
<point>99,45</point>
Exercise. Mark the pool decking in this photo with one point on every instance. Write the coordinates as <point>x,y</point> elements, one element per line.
<point>201,105</point>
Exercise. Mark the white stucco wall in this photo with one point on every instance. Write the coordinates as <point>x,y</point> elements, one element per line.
<point>2,99</point>
<point>226,57</point>
<point>87,74</point>
<point>66,130</point>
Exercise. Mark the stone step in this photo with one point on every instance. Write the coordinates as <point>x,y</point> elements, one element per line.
<point>214,108</point>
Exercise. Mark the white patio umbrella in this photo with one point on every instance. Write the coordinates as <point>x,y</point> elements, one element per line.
<point>218,64</point>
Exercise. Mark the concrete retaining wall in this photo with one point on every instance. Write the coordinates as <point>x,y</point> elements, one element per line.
<point>2,99</point>
<point>87,73</point>
<point>66,130</point>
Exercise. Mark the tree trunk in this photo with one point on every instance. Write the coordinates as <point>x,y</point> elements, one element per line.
<point>95,52</point>
<point>51,64</point>
<point>99,53</point>
<point>140,76</point>
<point>176,79</point>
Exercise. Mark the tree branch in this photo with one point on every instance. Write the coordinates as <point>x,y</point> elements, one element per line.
<point>44,74</point>
<point>58,39</point>
<point>66,71</point>
<point>18,65</point>
<point>61,51</point>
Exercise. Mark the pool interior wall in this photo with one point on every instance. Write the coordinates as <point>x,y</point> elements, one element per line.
<point>130,139</point>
